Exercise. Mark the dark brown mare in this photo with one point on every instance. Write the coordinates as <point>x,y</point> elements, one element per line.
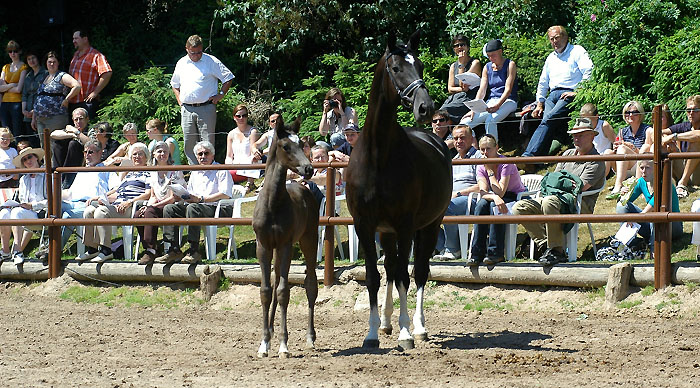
<point>284,214</point>
<point>399,183</point>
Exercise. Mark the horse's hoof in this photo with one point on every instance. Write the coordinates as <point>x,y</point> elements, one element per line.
<point>370,344</point>
<point>284,354</point>
<point>406,344</point>
<point>420,337</point>
<point>386,330</point>
<point>310,345</point>
<point>262,354</point>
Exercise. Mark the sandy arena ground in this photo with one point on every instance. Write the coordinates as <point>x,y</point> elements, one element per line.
<point>528,338</point>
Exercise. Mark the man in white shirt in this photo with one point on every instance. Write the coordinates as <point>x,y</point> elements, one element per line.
<point>206,188</point>
<point>87,185</point>
<point>564,69</point>
<point>195,83</point>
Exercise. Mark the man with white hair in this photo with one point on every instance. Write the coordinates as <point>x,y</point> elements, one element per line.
<point>205,189</point>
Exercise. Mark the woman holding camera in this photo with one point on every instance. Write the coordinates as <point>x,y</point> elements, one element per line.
<point>336,116</point>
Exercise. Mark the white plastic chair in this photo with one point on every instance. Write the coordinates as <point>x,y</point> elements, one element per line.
<point>238,192</point>
<point>237,205</point>
<point>465,245</point>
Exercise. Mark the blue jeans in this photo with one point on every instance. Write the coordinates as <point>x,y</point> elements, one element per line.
<point>495,233</point>
<point>646,229</point>
<point>491,120</point>
<point>70,210</point>
<point>449,238</point>
<point>556,113</point>
<point>11,117</point>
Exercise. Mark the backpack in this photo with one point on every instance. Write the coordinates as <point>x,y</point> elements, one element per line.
<point>566,186</point>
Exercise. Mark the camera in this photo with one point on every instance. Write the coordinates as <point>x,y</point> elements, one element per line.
<point>333,103</point>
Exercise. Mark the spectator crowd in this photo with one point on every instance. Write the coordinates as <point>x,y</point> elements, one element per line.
<point>38,97</point>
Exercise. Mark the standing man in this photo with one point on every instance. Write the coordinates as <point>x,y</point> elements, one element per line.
<point>550,236</point>
<point>195,83</point>
<point>563,71</point>
<point>91,69</point>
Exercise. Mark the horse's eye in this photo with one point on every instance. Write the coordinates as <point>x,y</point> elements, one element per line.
<point>286,147</point>
<point>395,69</point>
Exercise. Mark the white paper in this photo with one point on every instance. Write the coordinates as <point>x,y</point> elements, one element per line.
<point>627,232</point>
<point>471,79</point>
<point>476,105</point>
<point>10,203</point>
<point>180,191</point>
<point>509,205</point>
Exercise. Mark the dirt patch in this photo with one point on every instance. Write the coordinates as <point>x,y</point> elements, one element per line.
<point>479,336</point>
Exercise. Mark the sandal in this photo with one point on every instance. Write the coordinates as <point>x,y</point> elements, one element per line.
<point>682,191</point>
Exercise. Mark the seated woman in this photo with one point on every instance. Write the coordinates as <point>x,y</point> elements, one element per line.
<point>666,121</point>
<point>157,132</point>
<point>459,91</point>
<point>240,147</point>
<point>336,116</point>
<point>32,200</point>
<point>120,157</point>
<point>160,194</point>
<point>499,184</point>
<point>67,144</point>
<point>116,204</point>
<point>630,140</point>
<point>103,134</point>
<point>498,77</point>
<point>603,141</point>
<point>645,187</point>
<point>7,155</point>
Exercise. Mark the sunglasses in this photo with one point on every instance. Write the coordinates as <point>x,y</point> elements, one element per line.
<point>459,45</point>
<point>241,116</point>
<point>440,120</point>
<point>89,152</point>
<point>632,112</point>
<point>203,153</point>
<point>12,51</point>
<point>24,159</point>
<point>78,118</point>
<point>692,110</point>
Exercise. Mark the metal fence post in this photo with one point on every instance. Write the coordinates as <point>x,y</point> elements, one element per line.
<point>53,194</point>
<point>662,200</point>
<point>329,240</point>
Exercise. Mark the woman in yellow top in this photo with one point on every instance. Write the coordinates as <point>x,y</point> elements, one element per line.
<point>11,82</point>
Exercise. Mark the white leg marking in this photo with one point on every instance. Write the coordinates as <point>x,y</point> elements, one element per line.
<point>284,352</point>
<point>387,309</point>
<point>373,334</point>
<point>264,348</point>
<point>418,317</point>
<point>404,320</point>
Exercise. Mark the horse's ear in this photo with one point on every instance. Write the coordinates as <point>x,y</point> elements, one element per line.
<point>391,41</point>
<point>295,125</point>
<point>414,41</point>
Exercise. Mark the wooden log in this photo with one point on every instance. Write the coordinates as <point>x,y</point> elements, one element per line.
<point>617,287</point>
<point>209,281</point>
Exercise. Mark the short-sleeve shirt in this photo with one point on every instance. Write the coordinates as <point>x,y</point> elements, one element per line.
<point>87,69</point>
<point>6,157</point>
<point>515,185</point>
<point>682,128</point>
<point>199,81</point>
<point>210,182</point>
<point>636,139</point>
<point>592,173</point>
<point>161,183</point>
<point>13,77</point>
<point>92,184</point>
<point>464,175</point>
<point>134,184</point>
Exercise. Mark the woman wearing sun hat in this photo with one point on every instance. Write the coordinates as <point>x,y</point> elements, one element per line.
<point>32,200</point>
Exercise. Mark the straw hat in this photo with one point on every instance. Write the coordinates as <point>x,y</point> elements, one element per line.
<point>17,161</point>
<point>583,124</point>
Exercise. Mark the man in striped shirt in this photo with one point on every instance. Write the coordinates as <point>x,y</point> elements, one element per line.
<point>91,69</point>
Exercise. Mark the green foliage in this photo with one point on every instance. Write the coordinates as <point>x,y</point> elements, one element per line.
<point>506,18</point>
<point>628,304</point>
<point>528,53</point>
<point>130,296</point>
<point>675,67</point>
<point>648,290</point>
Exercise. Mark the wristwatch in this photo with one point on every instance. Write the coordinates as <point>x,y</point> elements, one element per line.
<point>459,194</point>
<point>490,173</point>
<point>675,136</point>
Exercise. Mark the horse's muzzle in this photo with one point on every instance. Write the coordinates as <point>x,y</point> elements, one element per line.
<point>423,106</point>
<point>306,171</point>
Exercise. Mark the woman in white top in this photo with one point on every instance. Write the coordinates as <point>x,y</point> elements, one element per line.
<point>336,116</point>
<point>161,194</point>
<point>606,135</point>
<point>7,153</point>
<point>240,145</point>
<point>31,198</point>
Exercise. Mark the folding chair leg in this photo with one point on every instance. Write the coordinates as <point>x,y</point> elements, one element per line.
<point>210,242</point>
<point>231,244</point>
<point>590,231</point>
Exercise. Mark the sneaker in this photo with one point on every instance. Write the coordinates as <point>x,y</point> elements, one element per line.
<point>147,258</point>
<point>86,256</point>
<point>451,255</point>
<point>474,261</point>
<point>173,256</point>
<point>102,257</point>
<point>18,257</point>
<point>5,256</point>
<point>192,257</point>
<point>552,257</point>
